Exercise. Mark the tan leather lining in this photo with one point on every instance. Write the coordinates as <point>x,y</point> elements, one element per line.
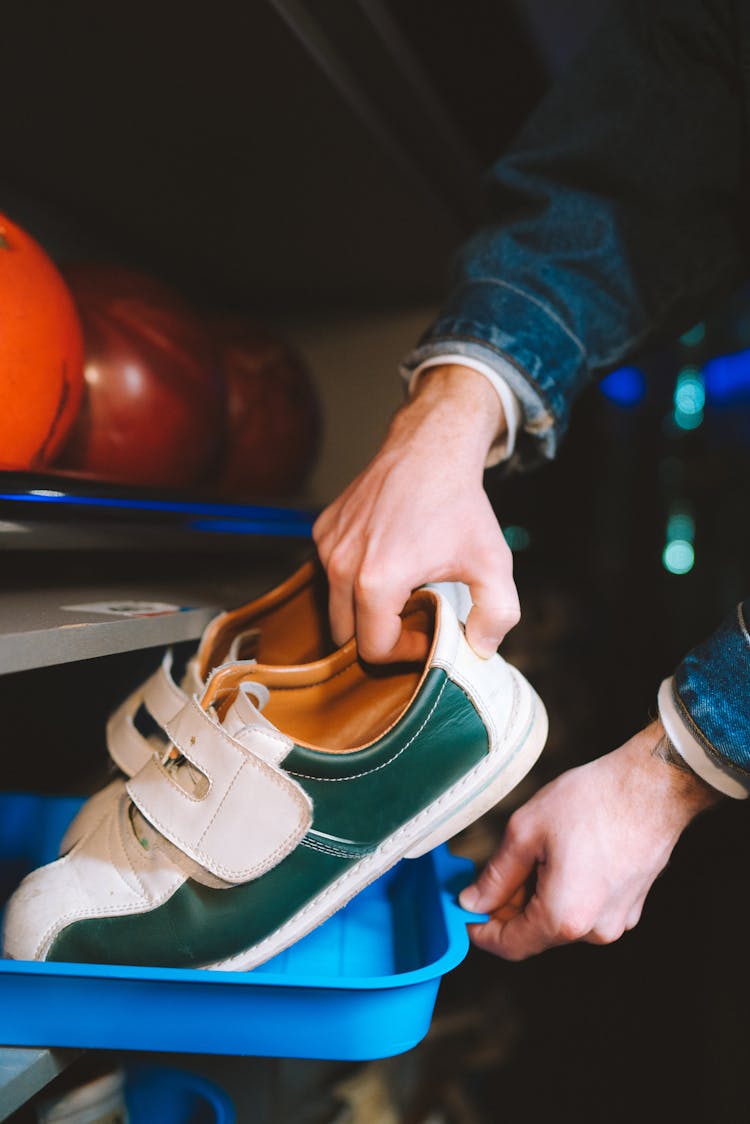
<point>339,703</point>
<point>292,620</point>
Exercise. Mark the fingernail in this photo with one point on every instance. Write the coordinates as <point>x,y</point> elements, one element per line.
<point>468,899</point>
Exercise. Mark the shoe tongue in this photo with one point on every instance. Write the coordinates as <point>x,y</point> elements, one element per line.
<point>244,646</point>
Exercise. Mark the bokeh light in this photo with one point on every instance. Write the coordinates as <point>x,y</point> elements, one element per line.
<point>678,557</point>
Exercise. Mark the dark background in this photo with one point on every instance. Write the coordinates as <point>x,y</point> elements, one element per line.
<point>295,157</point>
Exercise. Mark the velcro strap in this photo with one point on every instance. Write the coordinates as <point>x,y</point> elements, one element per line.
<point>161,695</point>
<point>252,815</point>
<point>162,698</point>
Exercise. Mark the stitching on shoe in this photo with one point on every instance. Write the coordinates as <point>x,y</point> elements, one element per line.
<point>57,927</point>
<point>327,849</point>
<point>124,846</point>
<point>368,772</point>
<point>220,805</point>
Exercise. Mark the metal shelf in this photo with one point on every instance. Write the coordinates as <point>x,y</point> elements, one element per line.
<point>26,1070</point>
<point>43,628</point>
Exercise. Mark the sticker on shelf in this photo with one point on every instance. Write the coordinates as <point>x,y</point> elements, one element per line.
<point>127,608</point>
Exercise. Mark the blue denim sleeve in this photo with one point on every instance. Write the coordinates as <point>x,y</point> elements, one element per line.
<point>614,219</point>
<point>705,706</point>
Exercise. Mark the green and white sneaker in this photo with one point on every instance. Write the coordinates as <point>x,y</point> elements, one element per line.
<point>285,792</point>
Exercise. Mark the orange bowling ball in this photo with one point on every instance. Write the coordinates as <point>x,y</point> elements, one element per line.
<point>41,353</point>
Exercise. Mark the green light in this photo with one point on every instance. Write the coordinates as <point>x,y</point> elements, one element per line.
<point>689,398</point>
<point>680,525</point>
<point>687,421</point>
<point>696,335</point>
<point>517,538</point>
<point>678,557</point>
<point>689,393</point>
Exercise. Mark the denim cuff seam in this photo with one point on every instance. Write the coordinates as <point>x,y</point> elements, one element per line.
<point>540,304</point>
<point>701,738</point>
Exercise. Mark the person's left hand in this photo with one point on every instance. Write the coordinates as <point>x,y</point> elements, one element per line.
<point>592,841</point>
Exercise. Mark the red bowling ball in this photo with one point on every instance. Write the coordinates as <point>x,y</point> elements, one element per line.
<point>273,413</point>
<point>153,409</point>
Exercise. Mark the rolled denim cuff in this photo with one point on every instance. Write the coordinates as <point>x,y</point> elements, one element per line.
<point>526,342</point>
<point>705,706</point>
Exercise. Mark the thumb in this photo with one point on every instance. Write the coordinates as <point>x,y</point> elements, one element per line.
<point>501,881</point>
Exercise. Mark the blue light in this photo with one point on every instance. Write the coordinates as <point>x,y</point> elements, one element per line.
<point>728,378</point>
<point>220,518</point>
<point>678,557</point>
<point>249,527</point>
<point>303,519</point>
<point>624,387</point>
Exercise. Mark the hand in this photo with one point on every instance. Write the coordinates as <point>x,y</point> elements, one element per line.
<point>419,513</point>
<point>595,839</point>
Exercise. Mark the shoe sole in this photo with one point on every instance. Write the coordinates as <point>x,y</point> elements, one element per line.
<point>480,789</point>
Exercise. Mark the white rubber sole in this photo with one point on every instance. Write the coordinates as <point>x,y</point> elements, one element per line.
<point>480,789</point>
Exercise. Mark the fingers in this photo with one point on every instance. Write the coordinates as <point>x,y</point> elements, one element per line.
<point>496,610</point>
<point>340,561</point>
<point>341,599</point>
<point>385,536</point>
<point>514,938</point>
<point>381,636</point>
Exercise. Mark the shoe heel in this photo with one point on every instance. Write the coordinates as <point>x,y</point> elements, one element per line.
<point>491,794</point>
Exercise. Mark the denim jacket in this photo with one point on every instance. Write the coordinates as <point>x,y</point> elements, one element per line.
<point>613,223</point>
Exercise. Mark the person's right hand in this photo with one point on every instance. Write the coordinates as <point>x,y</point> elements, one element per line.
<point>419,513</point>
<point>578,859</point>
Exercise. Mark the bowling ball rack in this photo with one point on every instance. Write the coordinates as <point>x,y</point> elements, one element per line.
<point>48,511</point>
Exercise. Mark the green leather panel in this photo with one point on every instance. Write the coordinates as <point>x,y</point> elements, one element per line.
<point>360,798</point>
<point>366,795</point>
<point>199,925</point>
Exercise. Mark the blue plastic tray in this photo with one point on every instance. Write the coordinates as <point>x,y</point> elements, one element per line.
<point>363,985</point>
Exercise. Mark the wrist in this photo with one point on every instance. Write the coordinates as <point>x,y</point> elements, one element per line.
<point>672,786</point>
<point>459,401</point>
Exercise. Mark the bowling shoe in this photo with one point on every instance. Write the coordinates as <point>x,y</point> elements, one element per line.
<point>284,791</point>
